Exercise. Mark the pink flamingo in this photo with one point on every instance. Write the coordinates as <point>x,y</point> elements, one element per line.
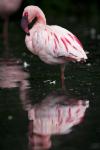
<point>53,44</point>
<point>8,7</point>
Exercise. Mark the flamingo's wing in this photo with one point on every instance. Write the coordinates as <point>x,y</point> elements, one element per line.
<point>68,44</point>
<point>57,42</point>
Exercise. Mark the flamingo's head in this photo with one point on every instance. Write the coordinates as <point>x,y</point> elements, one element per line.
<point>25,22</point>
<point>28,15</point>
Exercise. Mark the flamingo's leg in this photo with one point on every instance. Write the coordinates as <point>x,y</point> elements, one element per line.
<point>62,75</point>
<point>5,33</point>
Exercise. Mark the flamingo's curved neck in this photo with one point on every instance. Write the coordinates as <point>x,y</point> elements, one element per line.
<point>39,15</point>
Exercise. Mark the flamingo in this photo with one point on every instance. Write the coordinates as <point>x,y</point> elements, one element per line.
<point>57,113</point>
<point>51,43</point>
<point>7,7</point>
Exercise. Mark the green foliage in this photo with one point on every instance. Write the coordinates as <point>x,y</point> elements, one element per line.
<point>62,9</point>
<point>30,2</point>
<point>33,2</point>
<point>56,7</point>
<point>53,5</point>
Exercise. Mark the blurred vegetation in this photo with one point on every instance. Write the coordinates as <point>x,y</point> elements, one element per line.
<point>85,11</point>
<point>80,8</point>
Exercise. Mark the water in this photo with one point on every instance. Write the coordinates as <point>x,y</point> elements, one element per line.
<point>28,84</point>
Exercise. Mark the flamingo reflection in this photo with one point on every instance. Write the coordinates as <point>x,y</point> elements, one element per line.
<point>13,75</point>
<point>55,114</point>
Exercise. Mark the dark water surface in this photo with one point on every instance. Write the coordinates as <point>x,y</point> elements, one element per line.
<point>28,84</point>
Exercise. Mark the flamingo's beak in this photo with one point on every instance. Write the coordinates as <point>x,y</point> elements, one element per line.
<point>24,24</point>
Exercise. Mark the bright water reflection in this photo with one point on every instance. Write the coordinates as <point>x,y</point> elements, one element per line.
<point>13,75</point>
<point>56,113</point>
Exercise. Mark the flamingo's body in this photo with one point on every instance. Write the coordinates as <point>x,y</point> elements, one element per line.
<point>8,7</point>
<point>53,44</point>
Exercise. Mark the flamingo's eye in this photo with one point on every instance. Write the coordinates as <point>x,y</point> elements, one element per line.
<point>26,14</point>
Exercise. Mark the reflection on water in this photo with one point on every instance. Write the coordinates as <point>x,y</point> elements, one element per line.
<point>13,75</point>
<point>56,114</point>
<point>13,86</point>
